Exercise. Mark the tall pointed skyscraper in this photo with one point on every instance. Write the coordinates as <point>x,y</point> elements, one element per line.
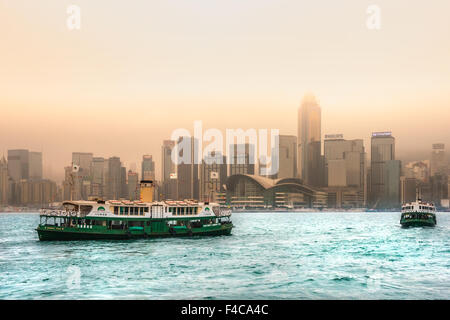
<point>309,160</point>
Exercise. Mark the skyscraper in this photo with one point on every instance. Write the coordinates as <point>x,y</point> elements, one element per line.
<point>287,157</point>
<point>242,158</point>
<point>438,161</point>
<point>309,141</point>
<point>133,185</point>
<point>18,164</point>
<point>98,173</point>
<point>382,150</point>
<point>148,168</point>
<point>168,171</point>
<point>350,156</point>
<point>114,179</point>
<point>213,175</point>
<point>187,172</point>
<point>35,165</point>
<point>392,188</point>
<point>82,178</point>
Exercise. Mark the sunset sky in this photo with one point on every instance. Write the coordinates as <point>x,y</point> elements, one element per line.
<point>137,70</point>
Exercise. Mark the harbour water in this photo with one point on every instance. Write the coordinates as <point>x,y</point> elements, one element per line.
<point>353,255</point>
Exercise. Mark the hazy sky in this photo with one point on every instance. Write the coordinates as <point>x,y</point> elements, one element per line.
<point>137,70</point>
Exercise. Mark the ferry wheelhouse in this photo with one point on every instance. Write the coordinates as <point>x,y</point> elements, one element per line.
<point>418,214</point>
<point>121,219</point>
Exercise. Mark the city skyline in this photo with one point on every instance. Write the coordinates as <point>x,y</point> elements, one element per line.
<point>78,84</point>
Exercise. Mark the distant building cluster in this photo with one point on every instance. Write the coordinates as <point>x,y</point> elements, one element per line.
<point>338,174</point>
<point>22,182</point>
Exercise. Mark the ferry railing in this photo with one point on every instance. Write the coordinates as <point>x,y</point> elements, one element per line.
<point>222,213</point>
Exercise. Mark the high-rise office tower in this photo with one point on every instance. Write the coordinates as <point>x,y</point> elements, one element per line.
<point>408,189</point>
<point>418,170</point>
<point>83,160</point>
<point>213,175</point>
<point>345,163</point>
<point>82,178</point>
<point>287,157</point>
<point>168,189</point>
<point>114,179</point>
<point>98,172</point>
<point>123,183</point>
<point>35,165</point>
<point>187,172</point>
<point>309,141</point>
<point>438,160</point>
<point>392,188</point>
<point>382,150</point>
<point>133,185</point>
<point>4,182</point>
<point>148,168</point>
<point>242,159</point>
<point>18,164</point>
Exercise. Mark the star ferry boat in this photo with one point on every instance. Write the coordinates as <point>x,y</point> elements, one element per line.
<point>418,214</point>
<point>121,219</point>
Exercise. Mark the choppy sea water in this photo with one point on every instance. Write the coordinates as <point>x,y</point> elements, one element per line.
<point>268,256</point>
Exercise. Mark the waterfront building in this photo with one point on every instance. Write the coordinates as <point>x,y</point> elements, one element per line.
<point>257,192</point>
<point>242,159</point>
<point>344,197</point>
<point>213,175</point>
<point>310,164</point>
<point>35,193</point>
<point>382,150</point>
<point>438,160</point>
<point>148,168</point>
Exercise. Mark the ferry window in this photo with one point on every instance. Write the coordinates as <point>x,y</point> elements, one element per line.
<point>121,210</point>
<point>146,209</point>
<point>85,209</point>
<point>116,210</point>
<point>126,211</point>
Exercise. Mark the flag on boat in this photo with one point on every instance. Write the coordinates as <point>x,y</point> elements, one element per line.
<point>173,176</point>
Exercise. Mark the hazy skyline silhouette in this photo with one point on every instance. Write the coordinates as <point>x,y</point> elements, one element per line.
<point>134,73</point>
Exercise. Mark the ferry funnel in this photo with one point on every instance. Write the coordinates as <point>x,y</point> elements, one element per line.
<point>147,189</point>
